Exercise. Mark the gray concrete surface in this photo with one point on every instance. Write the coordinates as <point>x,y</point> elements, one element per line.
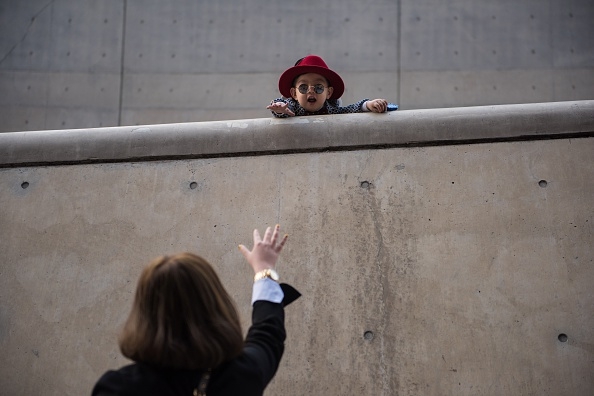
<point>460,268</point>
<point>68,64</point>
<point>300,134</point>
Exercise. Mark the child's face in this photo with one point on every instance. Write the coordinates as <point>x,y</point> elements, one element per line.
<point>310,100</point>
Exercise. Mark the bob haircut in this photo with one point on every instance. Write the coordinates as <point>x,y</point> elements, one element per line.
<point>182,316</point>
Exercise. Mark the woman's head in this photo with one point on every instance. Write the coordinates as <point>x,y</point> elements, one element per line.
<point>182,316</point>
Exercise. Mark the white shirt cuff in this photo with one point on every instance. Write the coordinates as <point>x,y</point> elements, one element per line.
<point>267,290</point>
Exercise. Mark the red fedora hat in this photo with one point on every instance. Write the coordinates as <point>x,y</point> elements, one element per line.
<point>310,64</point>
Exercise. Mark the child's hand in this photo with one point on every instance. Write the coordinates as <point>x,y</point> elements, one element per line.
<point>377,105</point>
<point>280,108</point>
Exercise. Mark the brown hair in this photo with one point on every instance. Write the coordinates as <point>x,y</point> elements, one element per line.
<point>182,316</point>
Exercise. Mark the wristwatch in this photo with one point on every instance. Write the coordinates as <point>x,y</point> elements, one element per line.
<point>267,273</point>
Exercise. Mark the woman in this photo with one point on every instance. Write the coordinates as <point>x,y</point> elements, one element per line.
<point>184,332</point>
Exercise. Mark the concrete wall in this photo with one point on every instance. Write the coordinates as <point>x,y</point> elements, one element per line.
<point>440,252</point>
<point>90,63</point>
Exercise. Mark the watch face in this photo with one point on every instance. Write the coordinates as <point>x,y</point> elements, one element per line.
<point>267,273</point>
<point>273,275</point>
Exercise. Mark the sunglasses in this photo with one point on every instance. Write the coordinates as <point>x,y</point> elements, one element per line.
<point>318,88</point>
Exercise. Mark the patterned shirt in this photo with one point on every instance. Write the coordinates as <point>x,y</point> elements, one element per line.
<point>328,108</point>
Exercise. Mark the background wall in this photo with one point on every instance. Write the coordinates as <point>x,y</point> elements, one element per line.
<point>91,63</point>
<point>439,252</point>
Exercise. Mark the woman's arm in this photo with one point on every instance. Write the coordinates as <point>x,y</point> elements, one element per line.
<point>264,345</point>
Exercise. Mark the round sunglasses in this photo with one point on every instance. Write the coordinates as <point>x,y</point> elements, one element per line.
<point>318,88</point>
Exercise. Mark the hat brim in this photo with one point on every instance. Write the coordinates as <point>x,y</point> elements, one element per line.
<point>285,82</point>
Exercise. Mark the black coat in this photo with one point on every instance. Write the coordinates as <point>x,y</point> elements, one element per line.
<point>246,375</point>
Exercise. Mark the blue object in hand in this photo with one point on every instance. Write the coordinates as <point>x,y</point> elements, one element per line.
<point>392,107</point>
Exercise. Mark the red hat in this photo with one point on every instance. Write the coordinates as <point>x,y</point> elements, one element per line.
<point>310,64</point>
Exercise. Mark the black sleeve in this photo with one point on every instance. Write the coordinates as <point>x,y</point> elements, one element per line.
<point>265,341</point>
<point>110,384</point>
<point>353,108</point>
<point>290,294</point>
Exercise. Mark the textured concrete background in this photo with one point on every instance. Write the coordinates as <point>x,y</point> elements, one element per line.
<point>452,269</point>
<point>445,269</point>
<point>90,63</point>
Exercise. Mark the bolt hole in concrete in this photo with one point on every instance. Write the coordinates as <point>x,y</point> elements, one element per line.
<point>24,185</point>
<point>365,184</point>
<point>368,335</point>
<point>543,183</point>
<point>562,337</point>
<point>193,185</point>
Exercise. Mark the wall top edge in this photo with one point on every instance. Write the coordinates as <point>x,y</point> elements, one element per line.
<point>265,136</point>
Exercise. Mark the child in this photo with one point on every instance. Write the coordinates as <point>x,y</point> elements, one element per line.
<point>311,88</point>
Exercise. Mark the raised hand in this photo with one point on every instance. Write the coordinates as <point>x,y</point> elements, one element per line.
<point>266,251</point>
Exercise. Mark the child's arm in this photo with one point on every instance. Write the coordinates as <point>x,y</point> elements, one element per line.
<point>376,105</point>
<point>280,109</point>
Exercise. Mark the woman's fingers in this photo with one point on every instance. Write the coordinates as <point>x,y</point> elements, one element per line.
<point>282,243</point>
<point>275,235</point>
<point>271,238</point>
<point>245,251</point>
<point>267,235</point>
<point>265,252</point>
<point>257,237</point>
